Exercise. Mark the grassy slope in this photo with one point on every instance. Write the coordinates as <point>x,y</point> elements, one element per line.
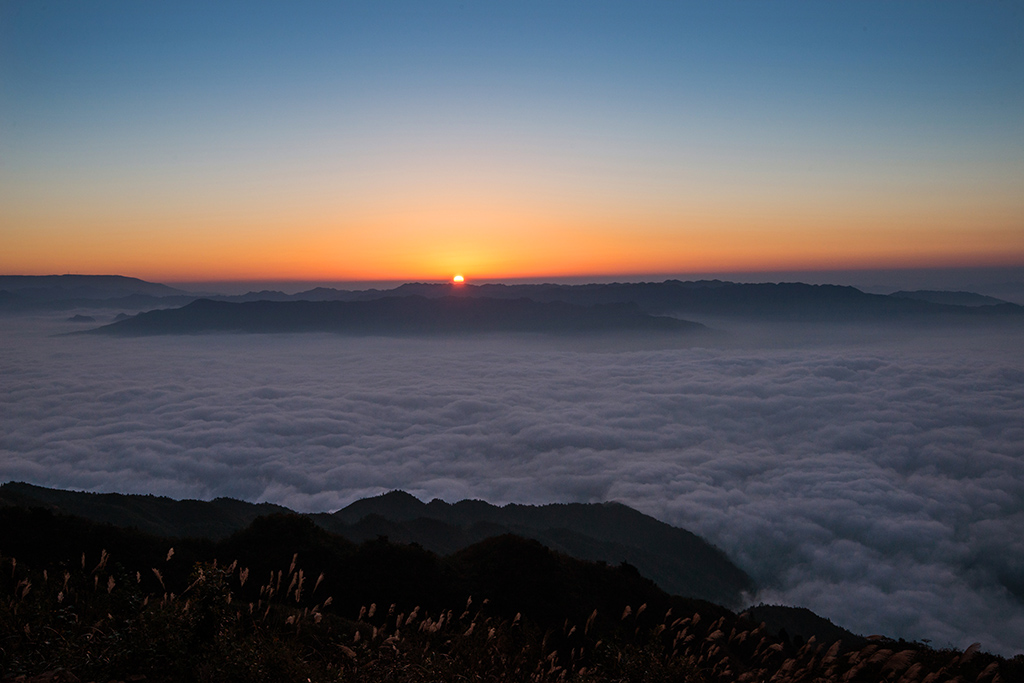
<point>384,611</point>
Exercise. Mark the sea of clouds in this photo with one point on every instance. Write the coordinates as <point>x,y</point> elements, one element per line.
<point>876,478</point>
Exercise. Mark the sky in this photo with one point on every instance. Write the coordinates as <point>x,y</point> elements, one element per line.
<point>195,141</point>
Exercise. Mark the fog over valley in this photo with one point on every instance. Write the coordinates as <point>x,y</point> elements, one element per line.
<point>874,476</point>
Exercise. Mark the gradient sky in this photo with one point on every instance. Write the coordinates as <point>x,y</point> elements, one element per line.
<point>393,140</point>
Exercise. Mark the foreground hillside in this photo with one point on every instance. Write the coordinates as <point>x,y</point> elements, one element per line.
<point>284,600</point>
<point>680,562</point>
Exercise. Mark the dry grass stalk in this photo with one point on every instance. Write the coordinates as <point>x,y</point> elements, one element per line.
<point>103,561</point>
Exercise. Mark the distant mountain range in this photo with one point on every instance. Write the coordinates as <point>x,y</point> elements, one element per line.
<point>949,298</point>
<point>418,308</point>
<point>792,301</point>
<point>65,292</point>
<point>82,287</point>
<point>406,315</point>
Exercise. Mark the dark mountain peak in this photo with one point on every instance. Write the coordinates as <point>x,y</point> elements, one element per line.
<point>288,530</point>
<point>323,294</point>
<point>321,290</point>
<point>428,289</point>
<point>262,295</point>
<point>474,509</point>
<point>678,560</point>
<point>400,497</point>
<point>395,505</point>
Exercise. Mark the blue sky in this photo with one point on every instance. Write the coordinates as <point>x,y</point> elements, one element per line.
<point>669,123</point>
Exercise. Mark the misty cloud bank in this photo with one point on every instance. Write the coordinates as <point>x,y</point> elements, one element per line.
<point>878,482</point>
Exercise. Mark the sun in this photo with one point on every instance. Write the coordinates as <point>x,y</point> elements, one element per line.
<point>458,279</point>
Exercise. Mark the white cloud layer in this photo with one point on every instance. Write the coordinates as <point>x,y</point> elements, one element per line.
<point>879,482</point>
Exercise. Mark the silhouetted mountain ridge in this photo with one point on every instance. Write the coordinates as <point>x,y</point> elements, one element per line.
<point>679,561</point>
<point>795,301</point>
<point>156,515</point>
<point>703,299</point>
<point>515,573</point>
<point>283,594</point>
<point>67,292</point>
<point>397,316</point>
<point>52,287</point>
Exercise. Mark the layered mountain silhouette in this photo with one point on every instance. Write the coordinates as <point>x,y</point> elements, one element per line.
<point>549,561</point>
<point>65,292</point>
<point>605,306</point>
<point>679,561</point>
<point>793,301</point>
<point>55,287</point>
<point>511,574</point>
<point>398,316</point>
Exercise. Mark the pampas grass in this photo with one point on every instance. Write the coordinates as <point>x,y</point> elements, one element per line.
<point>217,629</point>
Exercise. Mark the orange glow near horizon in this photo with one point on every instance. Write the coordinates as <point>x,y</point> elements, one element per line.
<point>497,258</point>
<point>681,156</point>
<point>430,240</point>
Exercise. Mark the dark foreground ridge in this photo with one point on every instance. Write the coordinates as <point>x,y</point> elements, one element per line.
<point>407,315</point>
<point>285,600</point>
<point>680,562</point>
<point>677,560</point>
